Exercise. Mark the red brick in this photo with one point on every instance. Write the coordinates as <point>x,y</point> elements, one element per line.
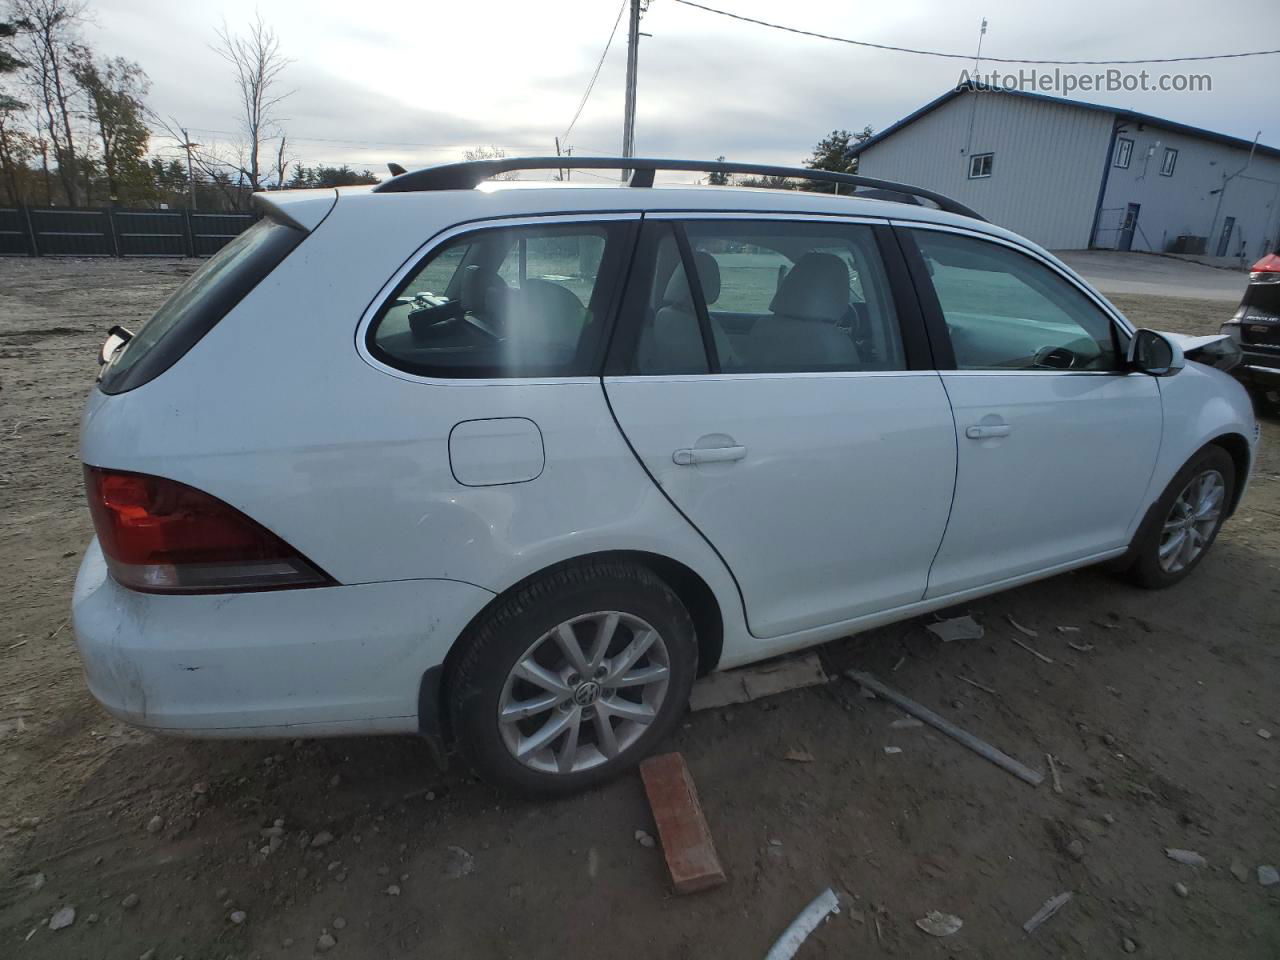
<point>686,839</point>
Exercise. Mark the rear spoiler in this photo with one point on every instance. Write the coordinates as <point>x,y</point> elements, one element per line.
<point>301,209</point>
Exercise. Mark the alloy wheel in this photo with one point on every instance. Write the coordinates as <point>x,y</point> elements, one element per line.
<point>584,692</point>
<point>1191,521</point>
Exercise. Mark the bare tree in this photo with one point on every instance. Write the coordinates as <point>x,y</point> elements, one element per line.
<point>47,43</point>
<point>208,165</point>
<point>258,63</point>
<point>490,153</point>
<point>283,162</point>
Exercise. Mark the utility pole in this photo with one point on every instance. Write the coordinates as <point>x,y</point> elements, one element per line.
<point>191,180</point>
<point>629,114</point>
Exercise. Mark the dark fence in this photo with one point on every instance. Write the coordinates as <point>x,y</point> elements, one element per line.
<point>66,232</point>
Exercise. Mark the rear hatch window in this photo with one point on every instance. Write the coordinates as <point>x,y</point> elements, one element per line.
<point>196,307</point>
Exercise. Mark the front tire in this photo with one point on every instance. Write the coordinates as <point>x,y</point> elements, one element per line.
<point>573,678</point>
<point>1181,527</point>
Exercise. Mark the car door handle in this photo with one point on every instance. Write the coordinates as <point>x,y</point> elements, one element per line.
<point>687,456</point>
<point>987,430</point>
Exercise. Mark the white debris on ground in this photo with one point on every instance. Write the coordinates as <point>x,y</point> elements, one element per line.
<point>956,628</point>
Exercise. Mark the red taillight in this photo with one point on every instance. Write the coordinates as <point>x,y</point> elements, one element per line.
<point>163,536</point>
<point>1268,268</point>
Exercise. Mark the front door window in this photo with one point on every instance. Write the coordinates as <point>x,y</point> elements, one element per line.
<point>1005,311</point>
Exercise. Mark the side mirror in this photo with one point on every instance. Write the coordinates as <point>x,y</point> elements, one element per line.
<point>1154,353</point>
<point>117,337</point>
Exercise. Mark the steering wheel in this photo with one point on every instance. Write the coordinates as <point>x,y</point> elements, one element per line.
<point>1055,358</point>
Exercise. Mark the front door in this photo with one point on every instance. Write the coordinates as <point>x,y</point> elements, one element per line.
<point>1128,226</point>
<point>1056,441</point>
<point>782,402</point>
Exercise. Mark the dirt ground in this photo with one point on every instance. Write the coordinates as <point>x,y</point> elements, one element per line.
<point>1153,715</point>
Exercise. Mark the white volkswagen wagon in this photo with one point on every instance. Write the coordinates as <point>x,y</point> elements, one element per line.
<point>509,464</point>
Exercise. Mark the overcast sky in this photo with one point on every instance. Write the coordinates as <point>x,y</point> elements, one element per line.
<point>421,81</point>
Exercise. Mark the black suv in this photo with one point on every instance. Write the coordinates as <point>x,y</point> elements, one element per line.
<point>1256,327</point>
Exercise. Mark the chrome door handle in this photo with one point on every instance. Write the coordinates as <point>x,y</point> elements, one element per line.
<point>987,430</point>
<point>687,456</point>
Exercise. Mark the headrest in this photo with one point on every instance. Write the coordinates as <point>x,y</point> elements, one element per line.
<point>816,288</point>
<point>477,282</point>
<point>708,272</point>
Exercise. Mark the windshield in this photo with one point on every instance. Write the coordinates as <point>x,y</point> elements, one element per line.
<point>195,308</point>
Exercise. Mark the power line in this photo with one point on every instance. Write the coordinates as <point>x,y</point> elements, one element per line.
<point>969,56</point>
<point>588,173</point>
<point>373,144</point>
<point>595,73</point>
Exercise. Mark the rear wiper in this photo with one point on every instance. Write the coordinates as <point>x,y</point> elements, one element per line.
<point>117,337</point>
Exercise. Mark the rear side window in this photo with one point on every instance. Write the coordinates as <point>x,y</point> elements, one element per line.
<point>527,301</point>
<point>775,297</point>
<point>196,307</point>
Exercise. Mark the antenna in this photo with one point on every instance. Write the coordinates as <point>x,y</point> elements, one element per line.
<point>982,32</point>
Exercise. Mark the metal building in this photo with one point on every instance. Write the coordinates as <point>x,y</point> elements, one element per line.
<point>1074,175</point>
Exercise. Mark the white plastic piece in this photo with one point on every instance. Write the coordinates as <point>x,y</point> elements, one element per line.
<point>823,905</point>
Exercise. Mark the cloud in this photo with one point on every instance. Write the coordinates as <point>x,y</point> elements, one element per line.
<point>423,85</point>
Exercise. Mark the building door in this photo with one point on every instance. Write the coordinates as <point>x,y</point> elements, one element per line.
<point>1224,241</point>
<point>1126,229</point>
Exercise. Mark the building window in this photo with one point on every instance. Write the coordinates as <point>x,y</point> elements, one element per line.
<point>1169,162</point>
<point>980,165</point>
<point>1124,150</point>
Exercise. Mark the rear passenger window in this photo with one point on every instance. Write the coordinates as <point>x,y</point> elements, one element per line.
<point>1005,311</point>
<point>507,302</point>
<point>779,297</point>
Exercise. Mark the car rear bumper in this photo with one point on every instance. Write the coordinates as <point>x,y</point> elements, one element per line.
<point>1259,371</point>
<point>325,661</point>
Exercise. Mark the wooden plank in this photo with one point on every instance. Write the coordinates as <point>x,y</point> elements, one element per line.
<point>682,828</point>
<point>759,680</point>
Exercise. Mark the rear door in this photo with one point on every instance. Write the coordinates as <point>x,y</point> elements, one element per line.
<point>785,402</point>
<point>1057,441</point>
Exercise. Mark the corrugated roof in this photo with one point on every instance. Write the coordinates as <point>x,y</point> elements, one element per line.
<point>1130,115</point>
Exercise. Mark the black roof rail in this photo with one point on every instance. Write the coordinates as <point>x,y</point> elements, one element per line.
<point>466,176</point>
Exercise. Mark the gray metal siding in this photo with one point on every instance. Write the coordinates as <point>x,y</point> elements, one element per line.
<point>1046,171</point>
<point>1185,203</point>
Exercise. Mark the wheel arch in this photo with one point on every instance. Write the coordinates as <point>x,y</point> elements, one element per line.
<point>692,589</point>
<point>1237,447</point>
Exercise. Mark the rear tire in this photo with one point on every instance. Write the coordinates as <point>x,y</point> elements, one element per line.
<point>573,678</point>
<point>1183,524</point>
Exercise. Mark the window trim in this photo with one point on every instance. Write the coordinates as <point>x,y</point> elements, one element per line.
<point>417,260</point>
<point>990,155</point>
<point>1170,160</point>
<point>917,345</point>
<point>1124,147</point>
<point>1121,328</point>
<point>698,297</point>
